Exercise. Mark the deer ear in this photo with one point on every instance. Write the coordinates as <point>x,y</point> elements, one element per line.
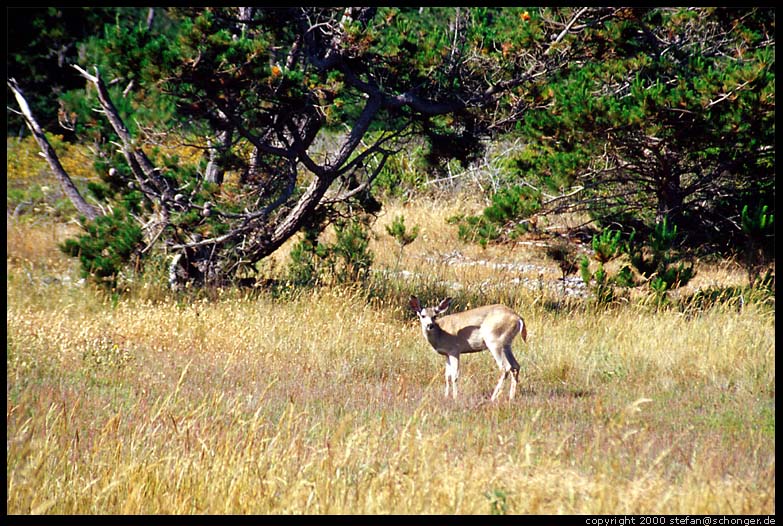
<point>415,305</point>
<point>444,305</point>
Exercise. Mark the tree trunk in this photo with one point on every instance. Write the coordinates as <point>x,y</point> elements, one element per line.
<point>69,188</point>
<point>215,168</point>
<point>669,195</point>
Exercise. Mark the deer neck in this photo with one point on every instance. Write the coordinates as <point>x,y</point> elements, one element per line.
<point>434,336</point>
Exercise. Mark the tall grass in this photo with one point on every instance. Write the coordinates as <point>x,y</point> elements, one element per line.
<point>329,401</point>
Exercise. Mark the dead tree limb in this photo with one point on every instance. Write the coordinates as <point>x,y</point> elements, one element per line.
<point>138,161</point>
<point>50,155</point>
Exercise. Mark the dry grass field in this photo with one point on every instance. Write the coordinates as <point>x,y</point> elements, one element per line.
<point>329,401</point>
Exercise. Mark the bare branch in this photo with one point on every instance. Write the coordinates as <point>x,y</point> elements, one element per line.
<point>364,185</point>
<point>728,95</point>
<point>565,30</point>
<point>51,156</point>
<point>360,127</point>
<point>140,164</point>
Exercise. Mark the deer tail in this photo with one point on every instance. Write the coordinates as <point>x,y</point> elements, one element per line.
<point>523,330</point>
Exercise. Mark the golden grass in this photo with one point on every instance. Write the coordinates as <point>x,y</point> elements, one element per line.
<point>23,162</point>
<point>323,402</point>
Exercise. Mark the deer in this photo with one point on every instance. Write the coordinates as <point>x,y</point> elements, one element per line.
<point>491,327</point>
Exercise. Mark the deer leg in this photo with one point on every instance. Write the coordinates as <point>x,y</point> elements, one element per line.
<point>497,353</point>
<point>514,382</point>
<point>454,367</point>
<point>513,368</point>
<point>496,392</point>
<point>447,375</point>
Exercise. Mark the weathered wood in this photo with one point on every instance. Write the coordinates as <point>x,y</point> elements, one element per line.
<point>50,155</point>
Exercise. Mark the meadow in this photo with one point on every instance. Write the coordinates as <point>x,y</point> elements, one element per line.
<point>329,401</point>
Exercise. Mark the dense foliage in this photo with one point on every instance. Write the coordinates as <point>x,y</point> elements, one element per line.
<point>668,113</point>
<point>300,114</point>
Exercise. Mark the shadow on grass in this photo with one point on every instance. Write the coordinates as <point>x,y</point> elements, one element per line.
<point>527,393</point>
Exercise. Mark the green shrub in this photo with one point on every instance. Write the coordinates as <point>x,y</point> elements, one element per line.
<point>758,229</point>
<point>403,172</point>
<point>513,203</point>
<point>353,250</point>
<point>401,234</point>
<point>305,260</point>
<point>504,218</point>
<point>655,259</point>
<point>475,229</point>
<point>599,282</point>
<point>607,245</point>
<point>624,277</point>
<point>107,246</point>
<point>347,260</point>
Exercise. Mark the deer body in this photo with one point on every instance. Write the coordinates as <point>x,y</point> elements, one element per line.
<point>492,327</point>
